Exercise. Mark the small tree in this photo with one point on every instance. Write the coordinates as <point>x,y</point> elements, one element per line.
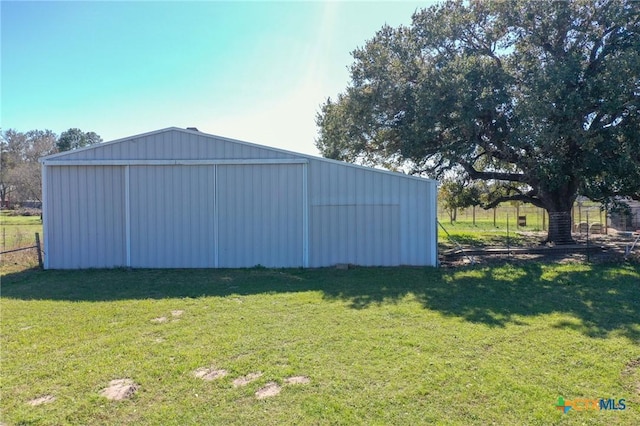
<point>20,174</point>
<point>11,147</point>
<point>455,194</point>
<point>75,138</point>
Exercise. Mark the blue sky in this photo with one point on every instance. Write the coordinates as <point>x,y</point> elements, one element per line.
<point>255,71</point>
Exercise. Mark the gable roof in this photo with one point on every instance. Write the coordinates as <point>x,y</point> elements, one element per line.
<point>69,155</point>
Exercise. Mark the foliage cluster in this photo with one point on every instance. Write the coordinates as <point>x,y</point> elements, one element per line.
<point>20,173</point>
<point>538,98</point>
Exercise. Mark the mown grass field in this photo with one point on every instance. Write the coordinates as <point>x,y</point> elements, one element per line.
<point>471,345</point>
<point>18,231</point>
<point>484,234</point>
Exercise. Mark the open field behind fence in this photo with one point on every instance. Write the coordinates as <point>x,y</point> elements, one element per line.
<point>525,217</point>
<point>18,232</point>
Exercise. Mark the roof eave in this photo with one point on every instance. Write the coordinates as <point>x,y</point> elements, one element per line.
<point>254,145</point>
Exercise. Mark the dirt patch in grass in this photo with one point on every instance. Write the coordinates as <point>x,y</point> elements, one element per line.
<point>177,313</point>
<point>613,250</point>
<point>631,369</point>
<point>632,365</point>
<point>268,390</point>
<point>159,320</point>
<point>245,380</point>
<point>209,373</point>
<point>297,380</point>
<point>42,400</point>
<point>119,389</point>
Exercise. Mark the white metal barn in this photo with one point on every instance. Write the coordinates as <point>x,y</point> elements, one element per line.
<point>178,198</point>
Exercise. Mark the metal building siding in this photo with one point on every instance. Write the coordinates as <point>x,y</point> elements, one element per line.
<point>260,215</point>
<point>172,220</point>
<point>419,222</point>
<point>172,145</point>
<point>369,218</point>
<point>365,235</point>
<point>85,213</point>
<point>295,211</point>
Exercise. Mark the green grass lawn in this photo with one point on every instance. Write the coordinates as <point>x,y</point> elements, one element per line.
<point>484,234</point>
<point>473,345</point>
<point>18,231</point>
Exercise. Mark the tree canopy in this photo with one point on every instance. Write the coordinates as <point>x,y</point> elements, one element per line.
<point>454,195</point>
<point>20,171</point>
<point>75,138</point>
<point>20,176</point>
<point>539,97</point>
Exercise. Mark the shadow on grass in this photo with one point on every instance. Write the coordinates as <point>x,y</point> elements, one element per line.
<point>466,240</point>
<point>484,240</point>
<point>604,298</point>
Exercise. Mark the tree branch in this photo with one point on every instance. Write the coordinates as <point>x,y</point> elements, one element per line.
<point>516,197</point>
<point>475,174</point>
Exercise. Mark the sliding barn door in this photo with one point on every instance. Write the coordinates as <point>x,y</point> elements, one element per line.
<point>172,216</point>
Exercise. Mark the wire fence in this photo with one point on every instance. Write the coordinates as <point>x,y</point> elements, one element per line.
<point>529,218</point>
<point>19,248</point>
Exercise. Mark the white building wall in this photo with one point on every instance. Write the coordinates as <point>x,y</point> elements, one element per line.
<point>260,210</point>
<point>84,222</point>
<point>369,217</point>
<point>227,209</point>
<point>172,220</point>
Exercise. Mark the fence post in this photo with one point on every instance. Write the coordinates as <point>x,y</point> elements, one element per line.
<point>588,236</point>
<point>508,243</point>
<point>39,251</point>
<point>600,216</point>
<point>579,213</point>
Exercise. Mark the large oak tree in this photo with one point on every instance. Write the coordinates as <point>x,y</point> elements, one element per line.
<point>541,98</point>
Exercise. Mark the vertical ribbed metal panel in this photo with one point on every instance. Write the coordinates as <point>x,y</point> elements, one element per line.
<point>369,218</point>
<point>172,216</point>
<point>367,235</point>
<point>355,215</point>
<point>85,217</point>
<point>172,145</point>
<point>260,215</point>
<point>432,223</point>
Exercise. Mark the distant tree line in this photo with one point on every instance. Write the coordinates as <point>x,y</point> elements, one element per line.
<point>20,171</point>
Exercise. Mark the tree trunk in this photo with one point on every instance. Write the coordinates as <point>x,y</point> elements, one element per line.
<point>558,203</point>
<point>560,228</point>
<point>453,213</point>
